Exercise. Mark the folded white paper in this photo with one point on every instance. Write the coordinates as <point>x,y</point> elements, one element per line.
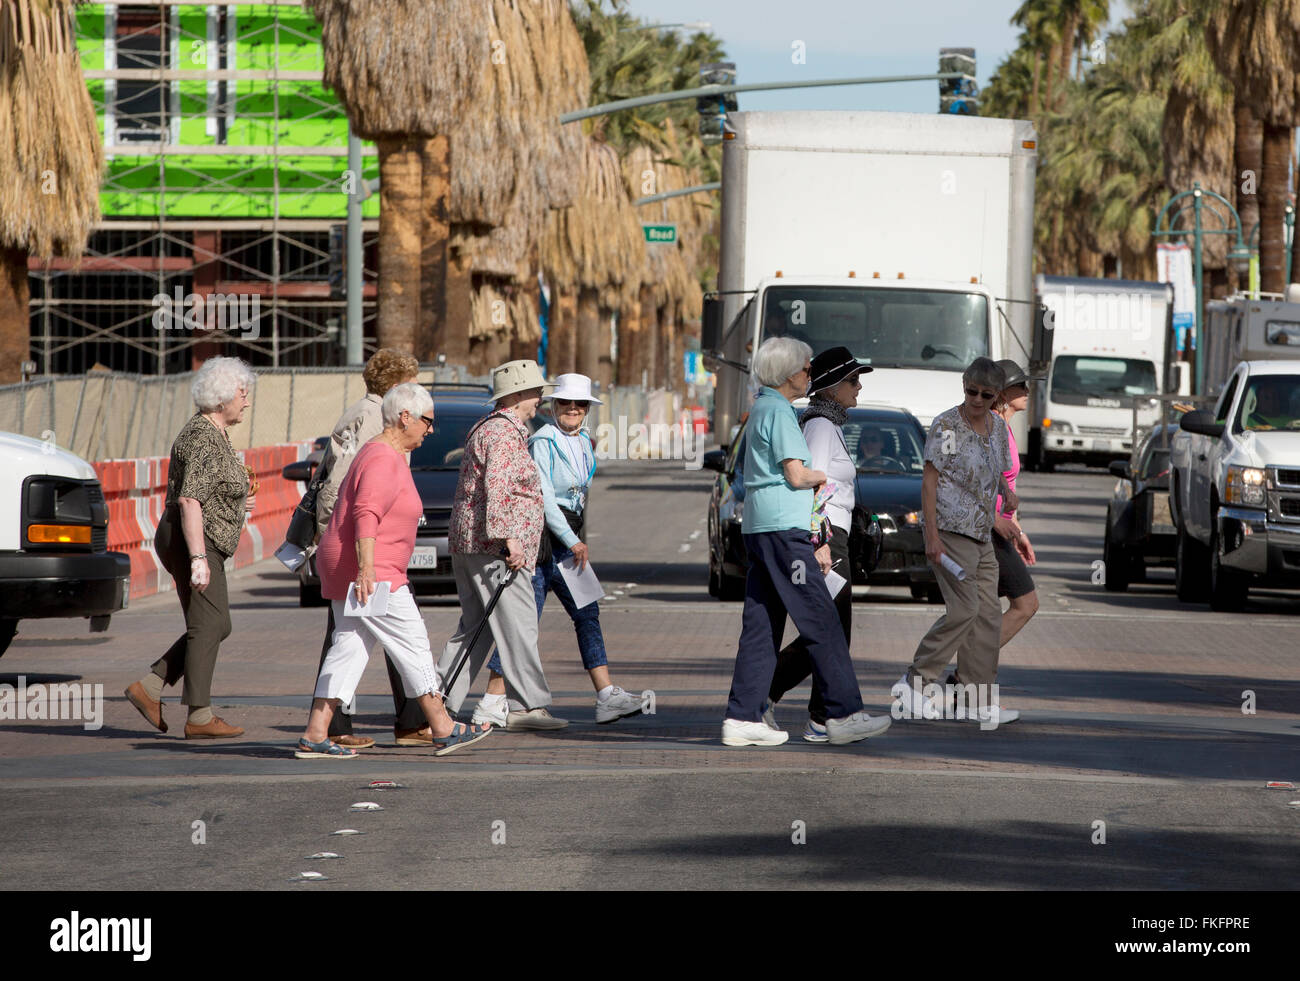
<point>291,555</point>
<point>584,587</point>
<point>956,571</point>
<point>376,606</point>
<point>834,582</point>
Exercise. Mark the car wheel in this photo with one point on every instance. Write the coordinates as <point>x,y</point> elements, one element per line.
<point>715,583</point>
<point>309,595</point>
<point>1190,569</point>
<point>1228,588</point>
<point>7,630</point>
<point>1116,563</point>
<point>731,588</point>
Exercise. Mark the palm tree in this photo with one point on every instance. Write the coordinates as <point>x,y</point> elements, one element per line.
<point>402,69</point>
<point>50,158</point>
<point>1256,44</point>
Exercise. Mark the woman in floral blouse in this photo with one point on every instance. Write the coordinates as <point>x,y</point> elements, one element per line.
<point>497,518</point>
<point>208,497</point>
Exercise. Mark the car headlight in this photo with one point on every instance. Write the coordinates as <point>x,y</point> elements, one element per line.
<point>1246,485</point>
<point>912,519</point>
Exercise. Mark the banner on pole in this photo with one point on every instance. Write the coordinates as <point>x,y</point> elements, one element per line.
<point>1174,265</point>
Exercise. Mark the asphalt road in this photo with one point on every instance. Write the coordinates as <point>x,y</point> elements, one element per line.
<point>1132,727</point>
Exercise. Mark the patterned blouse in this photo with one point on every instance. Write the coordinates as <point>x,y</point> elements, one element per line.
<point>969,469</point>
<point>499,494</point>
<point>204,466</point>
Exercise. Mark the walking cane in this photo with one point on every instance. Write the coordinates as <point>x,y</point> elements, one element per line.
<point>450,680</point>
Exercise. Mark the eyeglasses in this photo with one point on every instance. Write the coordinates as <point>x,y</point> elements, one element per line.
<point>975,393</point>
<point>428,423</point>
<point>575,402</point>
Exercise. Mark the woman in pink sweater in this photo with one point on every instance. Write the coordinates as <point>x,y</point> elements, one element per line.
<point>369,540</point>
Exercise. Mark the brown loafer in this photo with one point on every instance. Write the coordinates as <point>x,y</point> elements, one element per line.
<point>353,742</point>
<point>146,706</point>
<point>218,728</point>
<point>413,737</point>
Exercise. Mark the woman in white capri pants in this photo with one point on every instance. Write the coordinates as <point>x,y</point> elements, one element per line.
<point>369,540</point>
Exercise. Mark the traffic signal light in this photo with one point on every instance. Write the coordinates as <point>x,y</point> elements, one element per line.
<point>713,109</point>
<point>959,96</point>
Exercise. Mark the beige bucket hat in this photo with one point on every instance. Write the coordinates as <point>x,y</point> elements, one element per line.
<point>517,376</point>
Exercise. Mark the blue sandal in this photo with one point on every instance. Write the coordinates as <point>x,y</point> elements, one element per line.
<point>461,736</point>
<point>323,750</point>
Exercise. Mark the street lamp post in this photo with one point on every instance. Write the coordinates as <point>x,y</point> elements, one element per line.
<point>1165,227</point>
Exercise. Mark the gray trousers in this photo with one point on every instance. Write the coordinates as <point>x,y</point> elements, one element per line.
<point>513,629</point>
<point>972,623</point>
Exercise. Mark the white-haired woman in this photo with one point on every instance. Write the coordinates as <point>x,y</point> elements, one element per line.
<point>208,500</point>
<point>967,454</point>
<point>784,574</point>
<point>369,540</point>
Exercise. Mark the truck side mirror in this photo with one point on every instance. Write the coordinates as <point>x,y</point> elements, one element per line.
<point>1041,349</point>
<point>1201,422</point>
<point>711,325</point>
<point>1119,468</point>
<point>714,460</point>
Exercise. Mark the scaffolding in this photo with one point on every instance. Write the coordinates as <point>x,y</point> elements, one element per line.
<point>226,182</point>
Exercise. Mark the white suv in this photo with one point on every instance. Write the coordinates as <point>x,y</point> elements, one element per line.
<point>54,558</point>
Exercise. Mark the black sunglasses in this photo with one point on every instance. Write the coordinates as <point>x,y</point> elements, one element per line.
<point>976,393</point>
<point>578,402</point>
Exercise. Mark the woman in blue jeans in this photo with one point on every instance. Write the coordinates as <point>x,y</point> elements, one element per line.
<point>566,460</point>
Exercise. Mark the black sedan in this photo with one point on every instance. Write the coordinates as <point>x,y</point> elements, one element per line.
<point>1139,529</point>
<point>888,446</point>
<point>435,467</point>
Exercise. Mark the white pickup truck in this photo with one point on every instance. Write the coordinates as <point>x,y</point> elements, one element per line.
<point>1235,488</point>
<point>54,558</point>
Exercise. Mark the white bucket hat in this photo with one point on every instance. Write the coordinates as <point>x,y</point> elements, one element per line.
<point>517,376</point>
<point>576,388</point>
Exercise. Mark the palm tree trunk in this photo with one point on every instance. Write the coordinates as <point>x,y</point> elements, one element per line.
<point>1033,95</point>
<point>559,334</point>
<point>400,189</point>
<point>435,232</point>
<point>15,295</point>
<point>629,339</point>
<point>1248,154</point>
<point>588,333</point>
<point>605,337</point>
<point>1272,208</point>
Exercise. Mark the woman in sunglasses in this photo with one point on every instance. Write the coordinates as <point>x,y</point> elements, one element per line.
<point>566,460</point>
<point>967,455</point>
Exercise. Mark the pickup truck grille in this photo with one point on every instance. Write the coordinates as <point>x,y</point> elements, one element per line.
<point>1103,431</point>
<point>1289,477</point>
<point>1289,507</point>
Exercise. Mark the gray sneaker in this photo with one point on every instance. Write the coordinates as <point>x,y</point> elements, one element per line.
<point>534,720</point>
<point>620,705</point>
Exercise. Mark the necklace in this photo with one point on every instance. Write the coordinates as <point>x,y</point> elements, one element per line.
<point>984,437</point>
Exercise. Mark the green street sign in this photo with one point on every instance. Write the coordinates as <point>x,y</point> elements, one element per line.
<point>663,234</point>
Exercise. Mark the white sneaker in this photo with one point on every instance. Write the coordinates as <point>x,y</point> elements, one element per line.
<point>769,717</point>
<point>814,733</point>
<point>993,716</point>
<point>737,733</point>
<point>619,705</point>
<point>909,703</point>
<point>853,727</point>
<point>491,713</point>
<point>533,720</point>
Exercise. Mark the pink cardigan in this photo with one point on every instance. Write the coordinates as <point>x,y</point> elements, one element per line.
<point>378,500</point>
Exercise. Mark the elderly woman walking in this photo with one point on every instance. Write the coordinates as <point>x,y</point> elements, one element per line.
<point>208,500</point>
<point>566,460</point>
<point>783,570</point>
<point>497,521</point>
<point>370,538</point>
<point>966,459</point>
<point>835,388</point>
<point>360,423</point>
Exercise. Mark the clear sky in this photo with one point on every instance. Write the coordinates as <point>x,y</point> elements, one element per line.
<point>846,38</point>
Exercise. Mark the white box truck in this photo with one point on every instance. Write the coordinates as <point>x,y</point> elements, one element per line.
<point>907,238</point>
<point>1109,344</point>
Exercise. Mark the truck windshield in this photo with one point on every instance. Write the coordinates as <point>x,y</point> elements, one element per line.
<point>1076,378</point>
<point>891,328</point>
<point>1270,402</point>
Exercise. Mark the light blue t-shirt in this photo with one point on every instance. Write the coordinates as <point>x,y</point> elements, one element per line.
<point>773,435</point>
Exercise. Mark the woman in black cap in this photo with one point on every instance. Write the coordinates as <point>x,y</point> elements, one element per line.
<point>834,389</point>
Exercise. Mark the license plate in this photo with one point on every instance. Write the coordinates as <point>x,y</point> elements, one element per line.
<point>424,557</point>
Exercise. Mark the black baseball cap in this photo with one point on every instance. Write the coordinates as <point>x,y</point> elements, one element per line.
<point>832,366</point>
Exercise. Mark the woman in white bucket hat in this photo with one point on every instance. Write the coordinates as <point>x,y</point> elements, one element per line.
<point>566,460</point>
<point>497,521</point>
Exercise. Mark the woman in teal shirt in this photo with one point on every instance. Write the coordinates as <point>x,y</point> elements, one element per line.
<point>785,577</point>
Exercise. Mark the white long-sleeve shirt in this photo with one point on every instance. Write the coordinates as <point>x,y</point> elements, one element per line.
<point>831,456</point>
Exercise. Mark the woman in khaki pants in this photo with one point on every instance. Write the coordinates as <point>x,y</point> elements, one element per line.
<point>966,454</point>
